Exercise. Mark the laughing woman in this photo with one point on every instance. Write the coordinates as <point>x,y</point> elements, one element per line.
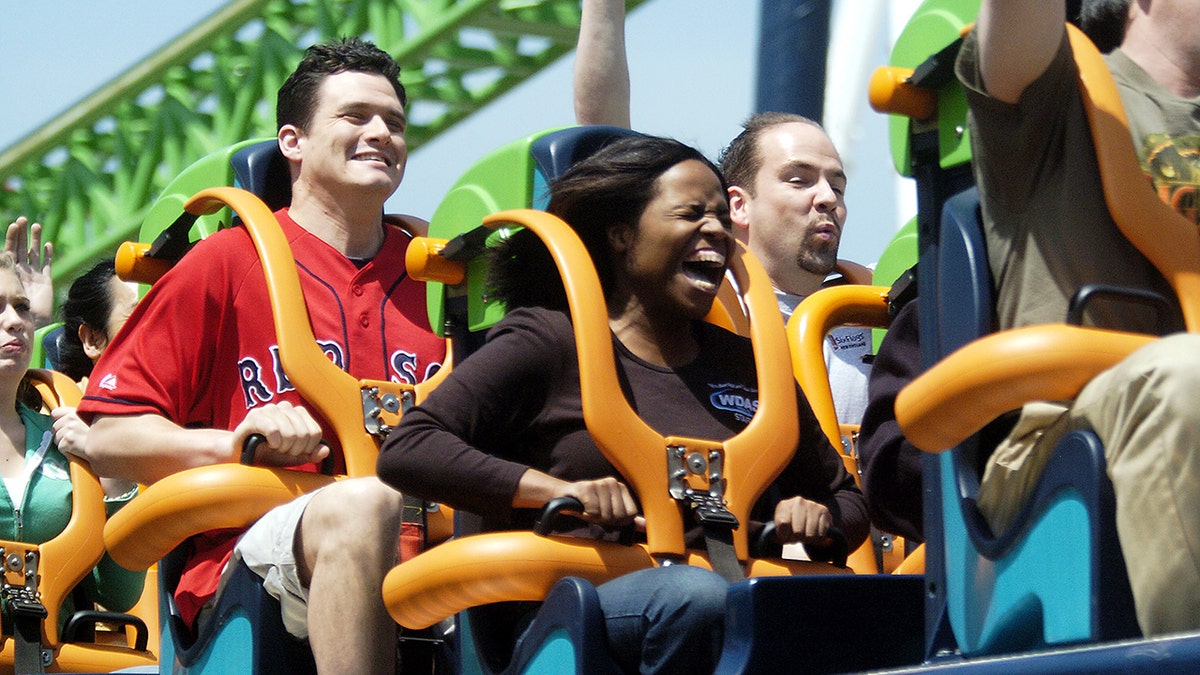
<point>504,434</point>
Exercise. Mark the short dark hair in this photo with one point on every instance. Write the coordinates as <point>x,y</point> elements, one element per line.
<point>741,159</point>
<point>89,302</point>
<point>612,186</point>
<point>297,98</point>
<point>1104,21</point>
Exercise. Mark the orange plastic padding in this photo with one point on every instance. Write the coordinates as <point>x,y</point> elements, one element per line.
<point>424,262</point>
<point>752,458</point>
<point>439,524</point>
<point>1160,232</point>
<point>133,265</point>
<point>232,495</point>
<point>91,658</point>
<point>929,409</point>
<point>812,320</point>
<point>727,311</point>
<point>327,388</point>
<point>198,500</point>
<point>889,91</point>
<point>68,557</point>
<point>1002,372</point>
<point>503,566</point>
<point>146,609</point>
<point>55,388</point>
<point>814,317</point>
<point>914,563</point>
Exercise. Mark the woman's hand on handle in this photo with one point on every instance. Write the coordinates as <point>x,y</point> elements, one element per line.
<point>801,520</point>
<point>605,500</point>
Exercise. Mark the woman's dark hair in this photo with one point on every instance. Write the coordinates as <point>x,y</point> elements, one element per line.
<point>89,302</point>
<point>612,186</point>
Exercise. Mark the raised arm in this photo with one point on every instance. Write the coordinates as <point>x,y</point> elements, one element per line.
<point>1017,41</point>
<point>601,81</point>
<point>33,258</point>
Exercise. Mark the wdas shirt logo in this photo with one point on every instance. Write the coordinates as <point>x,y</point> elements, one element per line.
<point>736,399</point>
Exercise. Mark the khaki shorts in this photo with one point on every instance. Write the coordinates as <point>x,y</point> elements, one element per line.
<point>268,548</point>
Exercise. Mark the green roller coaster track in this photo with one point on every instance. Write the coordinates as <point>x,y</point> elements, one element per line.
<point>90,175</point>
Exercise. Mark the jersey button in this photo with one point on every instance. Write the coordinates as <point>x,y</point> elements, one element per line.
<point>364,320</point>
<point>357,290</point>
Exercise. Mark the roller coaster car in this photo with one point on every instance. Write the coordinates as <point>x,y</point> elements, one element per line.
<point>245,633</point>
<point>1050,593</point>
<point>38,578</point>
<point>479,569</point>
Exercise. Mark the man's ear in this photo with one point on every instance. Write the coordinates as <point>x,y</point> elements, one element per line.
<point>289,142</point>
<point>739,209</point>
<point>620,236</point>
<point>94,341</point>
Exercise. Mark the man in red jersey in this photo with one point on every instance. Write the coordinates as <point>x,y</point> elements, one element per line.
<point>196,369</point>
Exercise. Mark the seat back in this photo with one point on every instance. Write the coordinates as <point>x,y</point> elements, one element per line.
<point>819,313</point>
<point>998,592</point>
<point>523,565</point>
<point>1055,576</point>
<point>169,230</point>
<point>46,345</point>
<point>56,566</point>
<point>514,176</point>
<point>360,412</point>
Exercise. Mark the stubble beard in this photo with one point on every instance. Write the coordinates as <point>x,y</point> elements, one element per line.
<point>818,257</point>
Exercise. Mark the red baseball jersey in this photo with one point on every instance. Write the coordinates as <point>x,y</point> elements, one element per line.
<point>200,348</point>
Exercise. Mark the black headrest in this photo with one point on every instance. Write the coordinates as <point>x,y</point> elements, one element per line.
<point>555,152</point>
<point>263,170</point>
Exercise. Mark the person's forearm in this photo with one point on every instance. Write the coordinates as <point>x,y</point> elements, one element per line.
<point>536,488</point>
<point>146,448</point>
<point>601,77</point>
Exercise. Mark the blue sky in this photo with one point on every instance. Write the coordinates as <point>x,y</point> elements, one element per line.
<point>693,81</point>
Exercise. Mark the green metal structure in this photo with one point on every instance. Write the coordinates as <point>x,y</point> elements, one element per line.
<point>90,175</point>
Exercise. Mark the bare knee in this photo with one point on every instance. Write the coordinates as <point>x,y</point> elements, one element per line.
<point>353,510</point>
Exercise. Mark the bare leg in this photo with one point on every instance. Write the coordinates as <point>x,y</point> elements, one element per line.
<point>348,537</point>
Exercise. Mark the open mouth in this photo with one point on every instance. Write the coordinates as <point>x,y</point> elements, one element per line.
<point>706,270</point>
<point>374,157</point>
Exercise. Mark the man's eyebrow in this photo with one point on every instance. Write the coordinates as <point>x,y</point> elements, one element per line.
<point>363,106</point>
<point>800,165</point>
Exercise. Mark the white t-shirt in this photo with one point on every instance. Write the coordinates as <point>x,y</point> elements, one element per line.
<point>847,360</point>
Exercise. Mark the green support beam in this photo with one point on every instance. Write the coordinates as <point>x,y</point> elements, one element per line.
<point>90,175</point>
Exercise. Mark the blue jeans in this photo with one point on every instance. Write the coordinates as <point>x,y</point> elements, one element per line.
<point>665,619</point>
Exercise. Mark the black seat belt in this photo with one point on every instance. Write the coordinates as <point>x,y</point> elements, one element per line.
<point>717,522</point>
<point>26,609</point>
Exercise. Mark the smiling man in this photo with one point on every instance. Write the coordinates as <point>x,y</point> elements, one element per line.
<point>165,399</point>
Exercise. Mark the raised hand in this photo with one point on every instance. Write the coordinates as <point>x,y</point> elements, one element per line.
<point>33,258</point>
